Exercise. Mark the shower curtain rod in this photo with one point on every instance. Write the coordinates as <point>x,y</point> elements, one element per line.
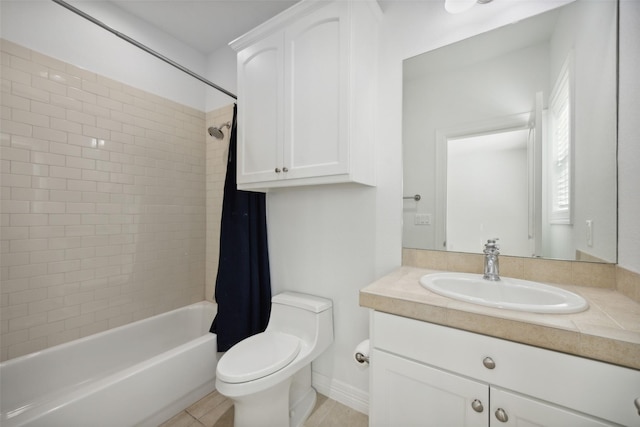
<point>141,46</point>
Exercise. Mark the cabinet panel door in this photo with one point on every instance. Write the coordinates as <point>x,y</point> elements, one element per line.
<point>527,412</point>
<point>260,110</point>
<point>406,393</point>
<point>316,73</point>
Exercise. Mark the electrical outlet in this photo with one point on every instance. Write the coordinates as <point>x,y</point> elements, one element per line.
<point>589,232</point>
<point>422,219</point>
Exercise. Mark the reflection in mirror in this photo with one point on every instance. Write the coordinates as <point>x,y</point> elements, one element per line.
<point>511,134</point>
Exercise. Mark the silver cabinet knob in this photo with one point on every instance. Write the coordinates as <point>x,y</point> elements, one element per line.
<point>277,170</point>
<point>477,405</point>
<point>637,403</point>
<point>285,169</point>
<point>488,363</point>
<point>501,415</point>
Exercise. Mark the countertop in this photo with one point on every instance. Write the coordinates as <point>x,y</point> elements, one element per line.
<point>608,331</point>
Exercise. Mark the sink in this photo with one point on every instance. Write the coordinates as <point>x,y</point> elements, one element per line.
<point>507,293</point>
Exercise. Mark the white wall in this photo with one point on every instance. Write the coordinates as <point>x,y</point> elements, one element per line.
<point>323,240</point>
<point>221,70</point>
<point>629,138</point>
<point>48,28</point>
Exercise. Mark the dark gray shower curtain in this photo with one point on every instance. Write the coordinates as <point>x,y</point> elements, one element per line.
<point>243,284</point>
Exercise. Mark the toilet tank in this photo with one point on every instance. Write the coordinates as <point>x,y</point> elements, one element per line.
<point>307,316</point>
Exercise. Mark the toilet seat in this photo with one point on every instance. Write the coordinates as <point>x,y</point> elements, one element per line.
<point>258,356</point>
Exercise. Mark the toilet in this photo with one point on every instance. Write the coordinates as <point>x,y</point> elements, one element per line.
<point>268,375</point>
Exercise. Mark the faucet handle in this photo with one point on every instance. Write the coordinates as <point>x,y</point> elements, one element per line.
<point>491,243</point>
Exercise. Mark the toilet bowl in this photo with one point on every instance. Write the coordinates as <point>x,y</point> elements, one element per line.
<point>268,375</point>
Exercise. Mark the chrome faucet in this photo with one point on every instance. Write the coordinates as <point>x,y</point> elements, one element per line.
<point>491,266</point>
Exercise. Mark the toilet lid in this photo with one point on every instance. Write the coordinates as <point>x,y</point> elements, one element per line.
<point>258,356</point>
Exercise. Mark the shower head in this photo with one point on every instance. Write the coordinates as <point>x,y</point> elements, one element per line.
<point>216,132</point>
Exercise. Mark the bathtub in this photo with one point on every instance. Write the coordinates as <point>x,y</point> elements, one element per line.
<point>138,374</point>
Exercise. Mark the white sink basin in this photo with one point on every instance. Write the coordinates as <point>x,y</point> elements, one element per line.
<point>509,293</point>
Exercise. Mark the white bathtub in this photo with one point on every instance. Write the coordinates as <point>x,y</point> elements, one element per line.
<point>137,374</point>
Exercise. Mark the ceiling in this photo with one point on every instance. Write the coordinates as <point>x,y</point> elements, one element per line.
<point>205,25</point>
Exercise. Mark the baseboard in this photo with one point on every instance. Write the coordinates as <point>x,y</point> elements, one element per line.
<point>341,392</point>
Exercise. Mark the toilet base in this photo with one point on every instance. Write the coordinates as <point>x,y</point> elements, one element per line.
<point>301,410</point>
<point>269,408</point>
<point>272,408</point>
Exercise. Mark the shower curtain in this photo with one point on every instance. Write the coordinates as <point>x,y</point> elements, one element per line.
<point>243,285</point>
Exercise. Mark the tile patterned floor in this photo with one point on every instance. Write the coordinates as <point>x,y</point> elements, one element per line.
<point>215,410</point>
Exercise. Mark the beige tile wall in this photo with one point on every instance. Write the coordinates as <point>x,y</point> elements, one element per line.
<point>103,203</point>
<point>217,154</point>
<point>608,276</point>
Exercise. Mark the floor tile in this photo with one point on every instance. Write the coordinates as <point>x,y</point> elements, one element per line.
<point>215,410</point>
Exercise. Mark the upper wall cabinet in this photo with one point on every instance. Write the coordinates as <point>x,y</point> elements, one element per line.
<point>307,95</point>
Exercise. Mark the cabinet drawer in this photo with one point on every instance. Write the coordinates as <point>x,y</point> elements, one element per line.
<point>596,388</point>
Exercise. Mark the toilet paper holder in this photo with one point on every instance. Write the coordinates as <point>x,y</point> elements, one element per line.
<point>361,358</point>
<point>361,352</point>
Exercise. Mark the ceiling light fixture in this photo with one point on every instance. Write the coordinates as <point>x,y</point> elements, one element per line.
<point>459,6</point>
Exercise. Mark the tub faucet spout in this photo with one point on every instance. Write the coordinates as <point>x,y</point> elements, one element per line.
<point>491,266</point>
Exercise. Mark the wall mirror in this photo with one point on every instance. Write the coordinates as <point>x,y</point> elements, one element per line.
<point>511,134</point>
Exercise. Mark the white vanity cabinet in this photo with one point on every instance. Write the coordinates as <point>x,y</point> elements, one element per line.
<point>424,374</point>
<point>306,96</point>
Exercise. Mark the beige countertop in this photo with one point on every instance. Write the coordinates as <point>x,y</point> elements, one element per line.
<point>608,331</point>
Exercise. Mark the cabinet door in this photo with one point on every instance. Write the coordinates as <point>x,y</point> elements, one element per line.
<point>316,76</point>
<point>406,393</point>
<point>260,110</point>
<point>520,410</point>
